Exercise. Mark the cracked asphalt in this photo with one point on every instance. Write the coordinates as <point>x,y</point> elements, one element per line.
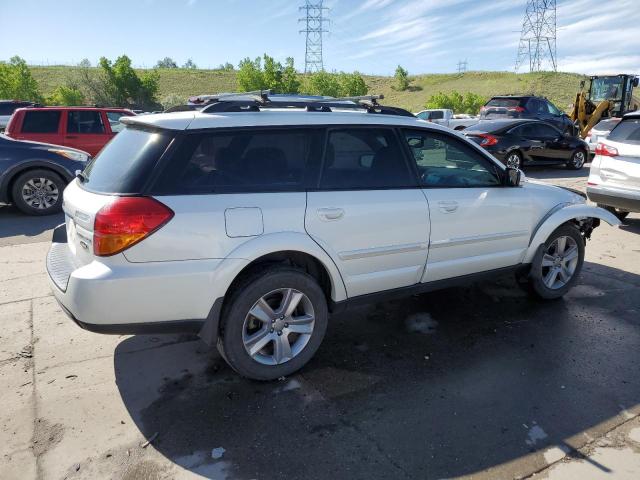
<point>478,382</point>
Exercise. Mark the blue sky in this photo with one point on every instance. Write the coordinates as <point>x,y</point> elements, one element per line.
<point>372,36</point>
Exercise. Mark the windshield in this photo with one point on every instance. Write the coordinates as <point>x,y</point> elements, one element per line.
<point>627,131</point>
<point>607,88</point>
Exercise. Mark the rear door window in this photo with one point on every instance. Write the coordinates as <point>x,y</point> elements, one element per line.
<point>627,131</point>
<point>125,164</point>
<point>240,161</point>
<point>85,121</point>
<point>114,121</point>
<point>41,121</point>
<point>364,158</point>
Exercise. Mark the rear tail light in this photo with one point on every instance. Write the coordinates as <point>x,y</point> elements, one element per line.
<point>487,140</point>
<point>515,109</point>
<point>127,221</point>
<point>606,150</point>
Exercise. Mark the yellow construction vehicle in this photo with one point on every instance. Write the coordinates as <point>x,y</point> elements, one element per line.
<point>607,96</point>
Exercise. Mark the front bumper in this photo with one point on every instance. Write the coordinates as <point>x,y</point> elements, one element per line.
<point>134,298</point>
<point>628,201</point>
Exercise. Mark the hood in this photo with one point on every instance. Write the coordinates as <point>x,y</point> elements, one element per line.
<point>555,194</point>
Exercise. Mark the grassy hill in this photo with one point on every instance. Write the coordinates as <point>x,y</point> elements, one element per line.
<point>560,88</point>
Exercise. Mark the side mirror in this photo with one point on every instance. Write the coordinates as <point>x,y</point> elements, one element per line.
<point>513,177</point>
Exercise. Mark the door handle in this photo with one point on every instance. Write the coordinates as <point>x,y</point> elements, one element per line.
<point>329,214</point>
<point>448,206</point>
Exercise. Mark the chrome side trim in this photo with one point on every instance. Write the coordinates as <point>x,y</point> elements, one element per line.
<point>379,251</point>
<point>477,239</point>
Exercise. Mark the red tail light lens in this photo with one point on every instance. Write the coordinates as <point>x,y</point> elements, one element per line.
<point>606,150</point>
<point>127,221</point>
<point>515,109</point>
<point>487,140</point>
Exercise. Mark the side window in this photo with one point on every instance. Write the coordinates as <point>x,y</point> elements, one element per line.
<point>446,162</point>
<point>114,121</point>
<point>437,115</point>
<point>535,106</point>
<point>41,121</point>
<point>358,158</point>
<point>84,121</point>
<point>553,110</point>
<point>423,115</point>
<point>261,160</point>
<point>544,131</point>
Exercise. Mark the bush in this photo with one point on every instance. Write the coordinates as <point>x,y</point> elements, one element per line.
<point>16,81</point>
<point>172,100</point>
<point>166,62</point>
<point>467,103</point>
<point>253,75</point>
<point>67,95</point>
<point>190,65</point>
<point>335,84</point>
<point>402,79</point>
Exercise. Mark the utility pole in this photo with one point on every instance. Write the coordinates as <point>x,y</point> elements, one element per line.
<point>538,37</point>
<point>314,22</point>
<point>462,66</point>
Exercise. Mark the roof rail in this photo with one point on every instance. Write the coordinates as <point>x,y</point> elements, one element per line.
<point>228,103</point>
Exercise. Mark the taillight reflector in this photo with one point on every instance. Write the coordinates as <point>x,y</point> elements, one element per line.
<point>606,150</point>
<point>127,221</point>
<point>487,140</point>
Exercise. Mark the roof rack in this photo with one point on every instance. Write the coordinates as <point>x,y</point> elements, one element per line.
<point>256,101</point>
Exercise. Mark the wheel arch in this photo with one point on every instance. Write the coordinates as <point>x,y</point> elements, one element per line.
<point>560,215</point>
<point>6,183</point>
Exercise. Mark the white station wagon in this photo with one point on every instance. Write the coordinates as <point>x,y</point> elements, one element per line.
<point>252,220</point>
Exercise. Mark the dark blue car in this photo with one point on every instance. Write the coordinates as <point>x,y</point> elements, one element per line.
<point>33,175</point>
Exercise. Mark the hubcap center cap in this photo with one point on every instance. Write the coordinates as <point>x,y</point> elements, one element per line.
<point>278,325</point>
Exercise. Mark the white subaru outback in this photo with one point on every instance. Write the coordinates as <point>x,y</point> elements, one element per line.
<point>250,221</point>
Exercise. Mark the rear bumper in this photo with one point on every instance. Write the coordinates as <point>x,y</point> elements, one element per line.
<point>136,298</point>
<point>625,200</point>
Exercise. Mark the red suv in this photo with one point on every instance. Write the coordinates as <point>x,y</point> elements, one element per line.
<point>84,128</point>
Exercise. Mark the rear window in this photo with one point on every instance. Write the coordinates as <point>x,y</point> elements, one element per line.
<point>7,108</point>
<point>503,102</point>
<point>126,162</point>
<point>41,121</point>
<point>627,131</point>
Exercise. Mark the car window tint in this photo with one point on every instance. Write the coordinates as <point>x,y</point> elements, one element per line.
<point>437,115</point>
<point>364,158</point>
<point>84,121</point>
<point>503,102</point>
<point>260,160</point>
<point>114,121</point>
<point>446,162</point>
<point>627,131</point>
<point>545,131</point>
<point>553,109</point>
<point>41,121</point>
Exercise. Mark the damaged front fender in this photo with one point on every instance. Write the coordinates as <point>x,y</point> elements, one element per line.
<point>581,214</point>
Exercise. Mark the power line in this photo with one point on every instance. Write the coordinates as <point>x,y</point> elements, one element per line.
<point>538,37</point>
<point>462,66</point>
<point>315,21</point>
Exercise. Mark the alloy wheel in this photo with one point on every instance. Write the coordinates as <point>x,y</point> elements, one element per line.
<point>278,326</point>
<point>40,193</point>
<point>578,159</point>
<point>513,160</point>
<point>559,262</point>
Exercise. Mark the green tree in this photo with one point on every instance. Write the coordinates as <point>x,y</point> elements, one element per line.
<point>352,84</point>
<point>172,100</point>
<point>249,75</point>
<point>267,74</point>
<point>322,83</point>
<point>272,74</point>
<point>166,62</point>
<point>16,81</point>
<point>290,80</point>
<point>226,67</point>
<point>189,64</point>
<point>68,95</point>
<point>467,103</point>
<point>85,62</point>
<point>402,79</point>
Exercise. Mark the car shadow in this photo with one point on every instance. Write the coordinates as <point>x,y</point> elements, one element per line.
<point>555,171</point>
<point>14,223</point>
<point>631,223</point>
<point>436,385</point>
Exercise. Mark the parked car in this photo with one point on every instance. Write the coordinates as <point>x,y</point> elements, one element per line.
<point>7,107</point>
<point>33,175</point>
<point>447,118</point>
<point>614,177</point>
<point>250,224</point>
<point>600,131</point>
<point>527,106</point>
<point>84,128</point>
<point>521,142</point>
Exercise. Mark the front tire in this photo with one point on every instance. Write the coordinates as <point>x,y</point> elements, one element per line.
<point>556,268</point>
<point>38,192</point>
<point>514,160</point>
<point>577,161</point>
<point>274,323</point>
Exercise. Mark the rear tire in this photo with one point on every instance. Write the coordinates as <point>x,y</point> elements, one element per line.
<point>38,192</point>
<point>514,160</point>
<point>577,161</point>
<point>274,323</point>
<point>555,269</point>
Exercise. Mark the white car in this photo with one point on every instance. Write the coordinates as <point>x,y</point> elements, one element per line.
<point>614,177</point>
<point>600,132</point>
<point>250,221</point>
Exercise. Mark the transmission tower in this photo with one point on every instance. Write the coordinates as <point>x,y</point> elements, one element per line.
<point>462,66</point>
<point>538,37</point>
<point>314,21</point>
